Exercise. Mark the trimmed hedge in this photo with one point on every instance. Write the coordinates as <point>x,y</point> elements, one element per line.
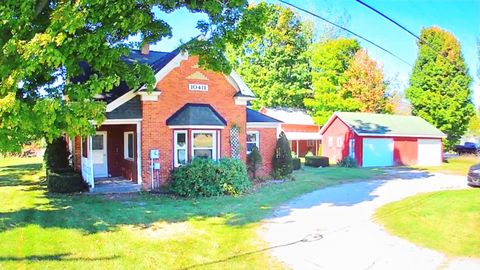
<point>65,181</point>
<point>348,162</point>
<point>296,164</point>
<point>205,178</point>
<point>316,161</point>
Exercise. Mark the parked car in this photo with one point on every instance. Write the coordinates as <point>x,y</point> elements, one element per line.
<point>467,148</point>
<point>474,176</point>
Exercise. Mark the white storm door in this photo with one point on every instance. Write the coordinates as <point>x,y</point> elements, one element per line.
<point>99,154</point>
<point>377,152</point>
<point>429,152</point>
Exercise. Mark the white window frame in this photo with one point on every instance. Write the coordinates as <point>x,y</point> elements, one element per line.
<point>339,142</point>
<point>215,143</point>
<point>175,148</point>
<point>330,141</point>
<point>257,140</point>
<point>125,145</point>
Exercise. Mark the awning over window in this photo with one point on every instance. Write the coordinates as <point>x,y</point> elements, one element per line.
<point>303,136</point>
<point>192,114</point>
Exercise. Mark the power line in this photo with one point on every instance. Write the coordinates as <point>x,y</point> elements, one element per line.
<point>414,35</point>
<point>347,30</point>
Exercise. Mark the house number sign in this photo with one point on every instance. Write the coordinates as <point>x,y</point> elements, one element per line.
<point>198,87</point>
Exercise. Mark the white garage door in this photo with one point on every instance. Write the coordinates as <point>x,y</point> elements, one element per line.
<point>429,152</point>
<point>377,152</point>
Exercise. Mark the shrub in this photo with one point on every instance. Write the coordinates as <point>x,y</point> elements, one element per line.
<point>205,177</point>
<point>348,162</point>
<point>282,158</point>
<point>56,154</point>
<point>316,161</point>
<point>296,164</point>
<point>254,161</point>
<point>309,153</point>
<point>65,181</point>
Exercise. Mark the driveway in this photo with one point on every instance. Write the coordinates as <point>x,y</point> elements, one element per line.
<point>333,228</point>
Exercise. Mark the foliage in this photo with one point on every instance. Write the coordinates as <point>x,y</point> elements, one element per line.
<point>309,153</point>
<point>56,154</point>
<point>254,161</point>
<point>330,60</point>
<point>365,83</point>
<point>296,164</point>
<point>440,86</point>
<point>348,162</point>
<point>315,161</point>
<point>205,177</point>
<point>474,125</point>
<point>275,65</point>
<point>66,181</point>
<point>282,158</point>
<point>46,44</point>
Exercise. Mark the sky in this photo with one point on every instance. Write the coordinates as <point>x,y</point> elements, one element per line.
<point>460,17</point>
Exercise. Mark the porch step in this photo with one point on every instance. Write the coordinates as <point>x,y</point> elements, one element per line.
<point>114,185</point>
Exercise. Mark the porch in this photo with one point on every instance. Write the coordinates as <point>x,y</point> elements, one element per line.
<point>110,185</point>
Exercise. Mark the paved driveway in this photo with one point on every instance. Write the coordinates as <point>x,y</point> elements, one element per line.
<point>332,228</point>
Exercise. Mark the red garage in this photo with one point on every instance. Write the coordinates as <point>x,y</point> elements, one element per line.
<point>382,140</point>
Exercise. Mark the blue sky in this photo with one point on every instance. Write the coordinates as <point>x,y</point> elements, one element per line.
<point>461,17</point>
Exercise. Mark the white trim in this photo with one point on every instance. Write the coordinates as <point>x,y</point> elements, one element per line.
<point>120,100</point>
<point>121,121</point>
<point>175,152</point>
<point>139,153</point>
<point>105,150</point>
<point>196,127</point>
<point>214,146</point>
<point>175,62</point>
<point>236,81</point>
<point>125,145</point>
<point>339,142</point>
<point>257,139</point>
<point>146,96</point>
<point>330,141</point>
<point>242,100</point>
<point>262,125</point>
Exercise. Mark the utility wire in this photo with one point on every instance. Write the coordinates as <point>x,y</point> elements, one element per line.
<point>347,30</point>
<point>414,35</point>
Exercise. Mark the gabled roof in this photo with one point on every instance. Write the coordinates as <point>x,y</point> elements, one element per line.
<point>371,124</point>
<point>258,117</point>
<point>290,115</point>
<point>193,114</point>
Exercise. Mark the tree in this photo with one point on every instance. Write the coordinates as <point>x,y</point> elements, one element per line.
<point>282,158</point>
<point>45,42</point>
<point>474,125</point>
<point>276,65</point>
<point>440,85</point>
<point>365,84</point>
<point>330,60</point>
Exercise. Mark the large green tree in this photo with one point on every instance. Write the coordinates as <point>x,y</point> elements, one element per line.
<point>440,85</point>
<point>329,61</point>
<point>43,43</point>
<point>276,65</point>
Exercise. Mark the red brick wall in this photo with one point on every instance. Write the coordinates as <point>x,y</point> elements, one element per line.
<point>268,141</point>
<point>77,153</point>
<point>175,94</point>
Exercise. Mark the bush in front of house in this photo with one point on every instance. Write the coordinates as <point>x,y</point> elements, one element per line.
<point>348,162</point>
<point>205,178</point>
<point>65,181</point>
<point>296,164</point>
<point>282,158</point>
<point>56,154</point>
<point>254,161</point>
<point>316,161</point>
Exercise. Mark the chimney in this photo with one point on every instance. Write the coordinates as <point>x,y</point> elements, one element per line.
<point>145,49</point>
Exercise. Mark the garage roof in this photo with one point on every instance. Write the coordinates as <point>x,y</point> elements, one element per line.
<point>371,124</point>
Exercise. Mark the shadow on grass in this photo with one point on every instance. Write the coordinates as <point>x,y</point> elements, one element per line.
<point>13,175</point>
<point>53,257</point>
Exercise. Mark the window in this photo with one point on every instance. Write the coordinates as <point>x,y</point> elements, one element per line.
<point>180,147</point>
<point>84,147</point>
<point>97,142</point>
<point>128,141</point>
<point>204,144</point>
<point>310,143</point>
<point>339,142</point>
<point>351,148</point>
<point>253,139</point>
<point>330,141</point>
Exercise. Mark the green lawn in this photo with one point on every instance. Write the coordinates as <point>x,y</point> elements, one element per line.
<point>142,231</point>
<point>456,165</point>
<point>447,221</point>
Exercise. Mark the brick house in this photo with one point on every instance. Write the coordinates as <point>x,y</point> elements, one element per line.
<point>382,140</point>
<point>299,127</point>
<point>191,113</point>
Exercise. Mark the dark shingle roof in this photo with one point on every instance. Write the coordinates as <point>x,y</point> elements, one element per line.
<point>254,116</point>
<point>192,114</point>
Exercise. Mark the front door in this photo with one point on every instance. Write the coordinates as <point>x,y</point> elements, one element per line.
<point>99,154</point>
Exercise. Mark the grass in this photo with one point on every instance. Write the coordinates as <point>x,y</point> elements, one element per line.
<point>39,230</point>
<point>447,221</point>
<point>458,165</point>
